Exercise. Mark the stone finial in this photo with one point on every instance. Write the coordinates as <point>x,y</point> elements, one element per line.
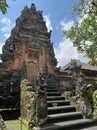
<point>33,6</point>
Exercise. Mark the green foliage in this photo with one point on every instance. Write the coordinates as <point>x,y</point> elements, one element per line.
<point>15,125</point>
<point>96,81</point>
<point>3,6</point>
<point>95,98</point>
<point>78,7</point>
<point>95,103</point>
<point>84,33</point>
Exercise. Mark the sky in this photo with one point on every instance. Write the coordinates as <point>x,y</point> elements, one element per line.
<point>58,17</point>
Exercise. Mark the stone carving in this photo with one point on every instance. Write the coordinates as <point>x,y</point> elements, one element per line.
<point>9,89</point>
<point>35,44</point>
<point>2,124</point>
<point>27,103</point>
<point>41,104</point>
<point>80,85</point>
<point>52,55</point>
<point>41,107</point>
<point>8,50</point>
<point>82,96</point>
<point>33,101</point>
<point>31,22</point>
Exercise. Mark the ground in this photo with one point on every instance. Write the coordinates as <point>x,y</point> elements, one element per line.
<point>14,125</point>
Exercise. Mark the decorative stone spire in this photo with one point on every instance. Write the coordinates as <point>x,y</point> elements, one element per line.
<point>31,30</point>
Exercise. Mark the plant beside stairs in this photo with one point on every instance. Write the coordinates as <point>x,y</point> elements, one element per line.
<point>95,104</point>
<point>94,96</point>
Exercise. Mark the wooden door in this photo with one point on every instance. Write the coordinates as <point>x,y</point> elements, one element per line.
<point>33,63</point>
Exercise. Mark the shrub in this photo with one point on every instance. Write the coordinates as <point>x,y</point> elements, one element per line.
<point>95,103</point>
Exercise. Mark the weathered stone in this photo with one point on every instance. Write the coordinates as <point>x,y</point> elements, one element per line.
<point>9,89</point>
<point>78,80</point>
<point>24,54</point>
<point>2,124</point>
<point>33,103</point>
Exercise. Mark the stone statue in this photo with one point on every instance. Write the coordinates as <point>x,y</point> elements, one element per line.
<point>79,82</point>
<point>82,96</point>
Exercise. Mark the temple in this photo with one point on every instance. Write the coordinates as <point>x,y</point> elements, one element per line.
<point>31,82</point>
<point>24,54</point>
<point>88,70</point>
<point>29,44</point>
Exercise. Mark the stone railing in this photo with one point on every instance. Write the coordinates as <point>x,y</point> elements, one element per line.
<point>33,104</point>
<point>79,93</point>
<point>66,81</point>
<point>78,88</point>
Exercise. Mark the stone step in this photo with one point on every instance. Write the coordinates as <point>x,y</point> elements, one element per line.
<point>90,128</point>
<point>61,109</point>
<point>51,86</point>
<point>53,93</point>
<point>49,98</point>
<point>51,90</point>
<point>54,103</point>
<point>64,117</point>
<point>68,125</point>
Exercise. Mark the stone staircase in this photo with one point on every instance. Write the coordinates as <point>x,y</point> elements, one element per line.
<point>62,115</point>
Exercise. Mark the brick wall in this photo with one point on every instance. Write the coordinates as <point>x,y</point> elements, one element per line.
<point>43,56</point>
<point>23,52</point>
<point>16,63</point>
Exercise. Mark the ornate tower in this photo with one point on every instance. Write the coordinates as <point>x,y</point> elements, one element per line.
<point>29,45</point>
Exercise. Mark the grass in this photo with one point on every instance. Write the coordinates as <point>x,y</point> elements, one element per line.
<point>15,125</point>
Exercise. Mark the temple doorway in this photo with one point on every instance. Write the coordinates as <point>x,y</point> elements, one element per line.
<point>33,65</point>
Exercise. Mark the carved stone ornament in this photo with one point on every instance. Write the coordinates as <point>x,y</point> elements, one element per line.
<point>78,80</point>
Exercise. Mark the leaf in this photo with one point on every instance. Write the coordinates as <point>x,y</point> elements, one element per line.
<point>86,30</point>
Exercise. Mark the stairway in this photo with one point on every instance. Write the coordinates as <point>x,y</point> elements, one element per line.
<point>62,115</point>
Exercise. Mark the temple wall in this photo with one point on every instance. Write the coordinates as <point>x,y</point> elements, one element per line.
<point>48,65</point>
<point>16,63</point>
<point>18,60</point>
<point>9,66</point>
<point>43,56</point>
<point>45,59</point>
<point>23,52</point>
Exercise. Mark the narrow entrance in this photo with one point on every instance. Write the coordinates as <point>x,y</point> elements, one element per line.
<point>33,65</point>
